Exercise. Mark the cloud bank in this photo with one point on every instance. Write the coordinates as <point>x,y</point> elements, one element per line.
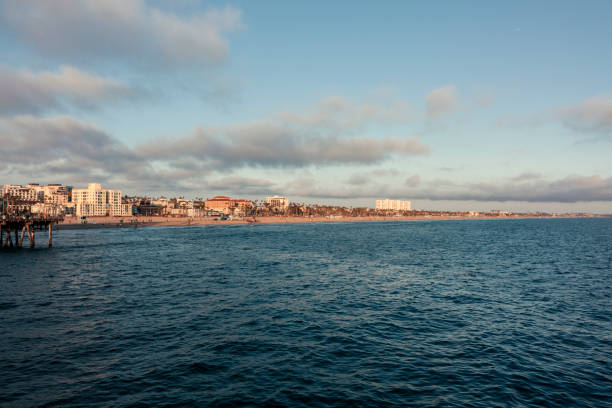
<point>324,134</point>
<point>79,30</point>
<point>26,92</point>
<point>571,189</point>
<point>62,146</point>
<point>591,115</point>
<point>329,133</point>
<point>74,151</point>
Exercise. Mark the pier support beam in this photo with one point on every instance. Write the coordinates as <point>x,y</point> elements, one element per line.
<point>13,229</point>
<point>9,240</point>
<point>31,236</point>
<point>23,230</point>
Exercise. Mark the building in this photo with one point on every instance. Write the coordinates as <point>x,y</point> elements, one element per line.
<point>277,202</point>
<point>394,205</point>
<point>21,193</point>
<point>40,191</point>
<point>227,205</point>
<point>56,195</point>
<point>95,201</point>
<point>220,203</point>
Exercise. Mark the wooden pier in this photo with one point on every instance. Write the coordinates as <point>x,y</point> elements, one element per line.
<point>17,222</point>
<point>14,228</point>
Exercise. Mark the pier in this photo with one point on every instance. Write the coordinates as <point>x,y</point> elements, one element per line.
<point>13,229</point>
<point>18,222</point>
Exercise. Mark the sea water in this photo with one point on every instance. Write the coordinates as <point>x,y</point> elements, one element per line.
<point>437,313</point>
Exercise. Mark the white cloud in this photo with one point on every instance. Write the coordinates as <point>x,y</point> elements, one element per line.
<point>441,101</point>
<point>571,189</point>
<point>80,30</point>
<point>37,92</point>
<point>326,134</point>
<point>593,114</point>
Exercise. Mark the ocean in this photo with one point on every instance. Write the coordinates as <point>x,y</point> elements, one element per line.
<point>476,313</point>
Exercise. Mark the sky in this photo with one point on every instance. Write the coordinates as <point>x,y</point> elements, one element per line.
<point>472,105</point>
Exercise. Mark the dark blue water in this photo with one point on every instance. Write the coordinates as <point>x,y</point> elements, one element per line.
<point>443,313</point>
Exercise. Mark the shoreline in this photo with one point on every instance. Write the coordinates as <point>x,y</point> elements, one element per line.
<point>133,222</point>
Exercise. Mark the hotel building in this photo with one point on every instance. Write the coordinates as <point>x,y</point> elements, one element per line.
<point>395,205</point>
<point>227,205</point>
<point>95,201</point>
<point>278,202</point>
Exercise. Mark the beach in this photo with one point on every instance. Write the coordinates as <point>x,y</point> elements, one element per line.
<point>160,221</point>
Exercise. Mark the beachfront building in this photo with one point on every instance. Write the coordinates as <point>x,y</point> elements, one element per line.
<point>277,202</point>
<point>96,201</point>
<point>219,203</point>
<point>227,205</point>
<point>394,205</point>
<point>52,193</point>
<point>20,193</point>
<point>57,194</point>
<point>54,196</point>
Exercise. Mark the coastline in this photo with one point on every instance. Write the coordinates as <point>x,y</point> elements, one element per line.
<point>139,222</point>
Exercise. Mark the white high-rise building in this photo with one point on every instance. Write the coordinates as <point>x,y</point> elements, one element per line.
<point>95,201</point>
<point>395,205</point>
<point>276,201</point>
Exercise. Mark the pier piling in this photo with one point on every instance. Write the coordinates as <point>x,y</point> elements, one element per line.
<point>16,219</point>
<point>13,229</point>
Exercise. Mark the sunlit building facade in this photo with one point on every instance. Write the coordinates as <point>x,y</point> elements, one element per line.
<point>277,202</point>
<point>394,205</point>
<point>96,201</point>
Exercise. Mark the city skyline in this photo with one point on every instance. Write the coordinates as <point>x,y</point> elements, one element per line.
<point>452,107</point>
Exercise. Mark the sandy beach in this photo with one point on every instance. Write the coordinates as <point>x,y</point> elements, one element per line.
<point>136,222</point>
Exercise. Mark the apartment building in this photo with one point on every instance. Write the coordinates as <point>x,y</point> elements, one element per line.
<point>395,205</point>
<point>21,193</point>
<point>277,202</point>
<point>96,201</point>
<point>51,193</point>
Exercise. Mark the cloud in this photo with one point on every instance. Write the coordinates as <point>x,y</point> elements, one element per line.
<point>413,180</point>
<point>326,134</point>
<point>127,30</point>
<point>359,179</point>
<point>372,176</point>
<point>588,117</point>
<point>528,175</point>
<point>322,135</point>
<point>339,113</point>
<point>62,145</point>
<point>26,92</point>
<point>243,185</point>
<point>63,149</point>
<point>270,144</point>
<point>591,115</point>
<point>441,101</point>
<point>571,189</point>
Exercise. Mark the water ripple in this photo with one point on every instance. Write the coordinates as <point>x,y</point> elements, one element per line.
<point>446,313</point>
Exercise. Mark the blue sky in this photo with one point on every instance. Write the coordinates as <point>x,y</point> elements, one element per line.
<point>453,105</point>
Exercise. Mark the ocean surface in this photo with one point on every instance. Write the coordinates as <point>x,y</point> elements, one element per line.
<point>476,313</point>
